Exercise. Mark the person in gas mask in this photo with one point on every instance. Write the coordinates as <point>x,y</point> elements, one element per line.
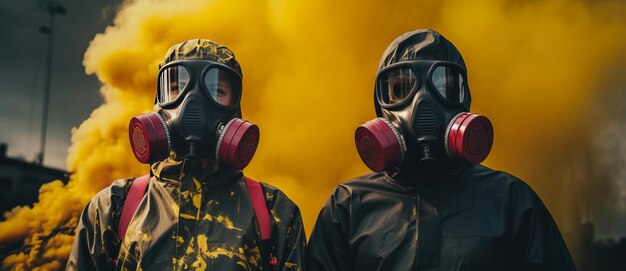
<point>429,205</point>
<point>195,210</point>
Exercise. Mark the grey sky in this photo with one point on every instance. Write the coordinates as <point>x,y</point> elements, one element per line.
<point>73,95</point>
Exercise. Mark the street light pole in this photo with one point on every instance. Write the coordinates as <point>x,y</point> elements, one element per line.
<point>52,9</point>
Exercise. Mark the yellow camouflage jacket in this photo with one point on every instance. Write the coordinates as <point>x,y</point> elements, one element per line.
<point>189,219</point>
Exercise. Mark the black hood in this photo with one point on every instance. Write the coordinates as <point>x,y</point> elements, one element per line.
<point>422,44</point>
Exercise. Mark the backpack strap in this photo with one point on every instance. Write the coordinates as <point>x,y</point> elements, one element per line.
<point>262,214</point>
<point>135,194</point>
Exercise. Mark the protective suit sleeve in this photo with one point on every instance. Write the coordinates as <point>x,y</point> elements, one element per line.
<point>329,247</point>
<point>288,236</point>
<point>96,243</point>
<point>535,236</point>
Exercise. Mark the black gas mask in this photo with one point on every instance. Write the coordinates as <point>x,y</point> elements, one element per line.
<point>197,116</point>
<point>422,107</point>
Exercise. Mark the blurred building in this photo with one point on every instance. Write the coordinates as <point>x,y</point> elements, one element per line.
<point>20,180</point>
<point>599,254</point>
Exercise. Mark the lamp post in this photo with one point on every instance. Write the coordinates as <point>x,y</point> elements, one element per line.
<point>52,9</point>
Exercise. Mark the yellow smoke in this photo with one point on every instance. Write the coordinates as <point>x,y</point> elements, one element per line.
<point>309,70</point>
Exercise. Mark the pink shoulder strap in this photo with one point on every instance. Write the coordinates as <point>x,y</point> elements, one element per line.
<point>134,197</point>
<point>262,214</point>
<point>260,207</point>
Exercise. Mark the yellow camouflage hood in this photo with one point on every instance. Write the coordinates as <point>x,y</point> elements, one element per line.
<point>202,49</point>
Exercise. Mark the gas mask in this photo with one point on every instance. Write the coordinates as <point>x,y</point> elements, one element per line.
<point>423,115</point>
<point>197,116</point>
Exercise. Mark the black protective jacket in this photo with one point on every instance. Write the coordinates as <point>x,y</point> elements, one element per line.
<point>188,220</point>
<point>478,219</point>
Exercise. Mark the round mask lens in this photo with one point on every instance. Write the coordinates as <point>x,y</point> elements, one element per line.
<point>449,82</point>
<point>172,81</point>
<point>395,85</point>
<point>223,85</point>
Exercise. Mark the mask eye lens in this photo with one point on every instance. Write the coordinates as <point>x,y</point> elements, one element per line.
<point>223,85</point>
<point>449,82</point>
<point>172,81</point>
<point>395,85</point>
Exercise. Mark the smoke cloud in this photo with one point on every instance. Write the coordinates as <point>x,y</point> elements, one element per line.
<point>535,68</point>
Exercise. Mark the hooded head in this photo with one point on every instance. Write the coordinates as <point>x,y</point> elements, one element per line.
<point>203,50</point>
<point>422,99</point>
<point>422,44</point>
<point>197,109</point>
